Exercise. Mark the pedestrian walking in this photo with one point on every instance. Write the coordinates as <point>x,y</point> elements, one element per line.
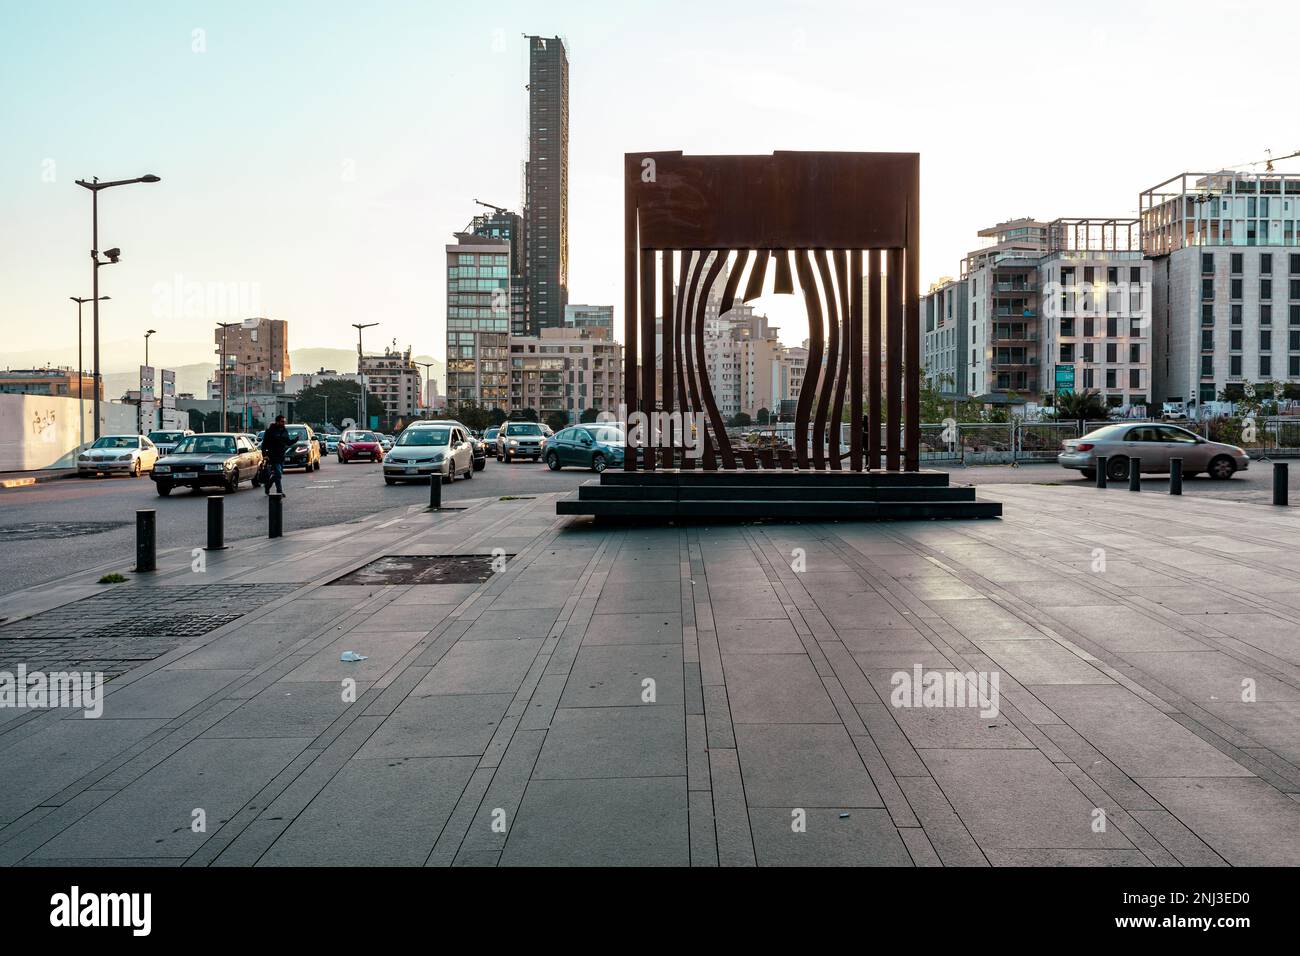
<point>275,443</point>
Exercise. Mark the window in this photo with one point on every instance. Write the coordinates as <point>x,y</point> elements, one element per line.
<point>1265,366</point>
<point>1207,290</point>
<point>1293,342</point>
<point>1112,326</point>
<point>1295,264</point>
<point>1234,366</point>
<point>1088,327</point>
<point>1087,352</point>
<point>1110,378</point>
<point>1265,289</point>
<point>1234,340</point>
<point>1265,315</point>
<point>1236,288</point>
<point>1067,351</point>
<point>1293,366</point>
<point>1134,378</point>
<point>1207,314</point>
<point>1266,264</point>
<point>1134,354</point>
<point>1236,313</point>
<point>1236,263</point>
<point>1207,263</point>
<point>1295,288</point>
<point>1207,366</point>
<point>1112,352</point>
<point>1207,340</point>
<point>1265,340</point>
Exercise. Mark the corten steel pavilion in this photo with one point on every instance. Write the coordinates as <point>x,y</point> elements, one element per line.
<point>830,220</point>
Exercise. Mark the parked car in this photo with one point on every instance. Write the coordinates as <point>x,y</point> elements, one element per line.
<point>1153,445</point>
<point>424,450</point>
<point>165,441</point>
<point>304,453</point>
<point>479,445</point>
<point>118,454</point>
<point>590,446</point>
<point>211,459</point>
<point>520,440</point>
<point>359,446</point>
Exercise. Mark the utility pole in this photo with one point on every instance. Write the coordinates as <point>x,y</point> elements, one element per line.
<point>428,399</point>
<point>362,403</point>
<point>222,364</point>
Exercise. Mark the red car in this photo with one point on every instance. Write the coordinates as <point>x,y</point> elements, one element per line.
<point>360,446</point>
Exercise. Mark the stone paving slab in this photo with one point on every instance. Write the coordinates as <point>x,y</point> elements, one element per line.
<point>675,696</point>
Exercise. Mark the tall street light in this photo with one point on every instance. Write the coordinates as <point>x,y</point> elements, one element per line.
<point>112,257</point>
<point>225,425</point>
<point>362,404</point>
<point>146,344</point>
<point>428,399</point>
<point>81,407</point>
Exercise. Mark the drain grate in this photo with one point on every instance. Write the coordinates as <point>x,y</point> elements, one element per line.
<point>425,569</point>
<point>115,630</point>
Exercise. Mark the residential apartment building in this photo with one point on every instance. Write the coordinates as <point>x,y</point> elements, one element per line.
<point>1096,300</point>
<point>256,350</point>
<point>943,346</point>
<point>508,226</point>
<point>478,321</point>
<point>567,371</point>
<point>1225,266</point>
<point>546,177</point>
<point>395,380</point>
<point>49,381</point>
<point>590,317</point>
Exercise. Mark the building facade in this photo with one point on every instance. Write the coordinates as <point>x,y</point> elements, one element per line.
<point>49,381</point>
<point>395,380</point>
<point>943,346</point>
<point>566,371</point>
<point>546,179</point>
<point>256,349</point>
<point>478,321</point>
<point>590,317</point>
<point>1224,251</point>
<point>508,226</point>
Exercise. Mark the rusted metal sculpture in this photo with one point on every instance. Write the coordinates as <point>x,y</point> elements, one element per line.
<point>810,216</point>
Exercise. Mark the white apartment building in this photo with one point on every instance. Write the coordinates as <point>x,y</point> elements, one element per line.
<point>395,380</point>
<point>565,370</point>
<point>943,345</point>
<point>1223,249</point>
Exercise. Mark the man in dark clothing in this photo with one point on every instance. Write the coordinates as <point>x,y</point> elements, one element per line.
<point>275,443</point>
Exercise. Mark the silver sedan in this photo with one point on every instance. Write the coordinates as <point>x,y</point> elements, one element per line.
<point>118,454</point>
<point>1154,445</point>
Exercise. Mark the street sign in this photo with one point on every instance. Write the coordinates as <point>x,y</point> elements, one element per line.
<point>1064,378</point>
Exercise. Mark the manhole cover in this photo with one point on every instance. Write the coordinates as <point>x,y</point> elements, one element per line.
<point>426,569</point>
<point>44,531</point>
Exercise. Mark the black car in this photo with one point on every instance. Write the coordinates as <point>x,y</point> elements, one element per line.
<point>210,460</point>
<point>304,453</point>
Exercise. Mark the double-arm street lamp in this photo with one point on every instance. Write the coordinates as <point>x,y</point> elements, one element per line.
<point>363,420</point>
<point>112,256</point>
<point>81,407</point>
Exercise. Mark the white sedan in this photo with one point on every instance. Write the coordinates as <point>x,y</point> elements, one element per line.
<point>423,451</point>
<point>118,454</point>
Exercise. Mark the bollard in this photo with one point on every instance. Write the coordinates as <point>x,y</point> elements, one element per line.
<point>146,541</point>
<point>217,523</point>
<point>1135,474</point>
<point>1101,471</point>
<point>435,492</point>
<point>274,516</point>
<point>1175,476</point>
<point>1279,483</point>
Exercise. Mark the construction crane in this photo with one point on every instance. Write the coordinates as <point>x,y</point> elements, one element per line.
<point>491,206</point>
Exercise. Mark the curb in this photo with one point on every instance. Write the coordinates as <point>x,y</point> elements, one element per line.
<point>35,479</point>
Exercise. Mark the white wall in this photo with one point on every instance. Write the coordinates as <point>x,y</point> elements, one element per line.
<point>44,431</point>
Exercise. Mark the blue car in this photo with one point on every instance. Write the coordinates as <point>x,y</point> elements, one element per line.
<point>588,446</point>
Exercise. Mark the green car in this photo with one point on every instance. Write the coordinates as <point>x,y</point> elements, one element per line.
<point>589,446</point>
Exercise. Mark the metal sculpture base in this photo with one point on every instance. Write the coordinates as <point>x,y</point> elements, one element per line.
<point>742,495</point>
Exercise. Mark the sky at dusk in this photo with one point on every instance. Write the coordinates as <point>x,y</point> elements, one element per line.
<point>317,156</point>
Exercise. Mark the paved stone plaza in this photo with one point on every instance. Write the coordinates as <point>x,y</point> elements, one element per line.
<point>701,696</point>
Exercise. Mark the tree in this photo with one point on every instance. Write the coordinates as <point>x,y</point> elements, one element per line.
<point>589,416</point>
<point>529,415</point>
<point>471,414</point>
<point>764,416</point>
<point>740,420</point>
<point>339,397</point>
<point>497,416</point>
<point>1081,406</point>
<point>557,420</point>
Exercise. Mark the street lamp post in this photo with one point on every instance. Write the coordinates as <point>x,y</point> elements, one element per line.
<point>361,399</point>
<point>113,255</point>
<point>81,404</point>
<point>146,345</point>
<point>428,399</point>
<point>225,425</point>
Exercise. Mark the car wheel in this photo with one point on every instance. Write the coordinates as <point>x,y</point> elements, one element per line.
<point>390,481</point>
<point>231,484</point>
<point>135,469</point>
<point>469,472</point>
<point>598,463</point>
<point>163,489</point>
<point>1222,468</point>
<point>553,461</point>
<point>448,478</point>
<point>1117,468</point>
<point>1090,474</point>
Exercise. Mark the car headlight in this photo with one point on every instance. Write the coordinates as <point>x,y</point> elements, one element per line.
<point>299,447</point>
<point>438,457</point>
<point>83,457</point>
<point>126,457</point>
<point>514,442</point>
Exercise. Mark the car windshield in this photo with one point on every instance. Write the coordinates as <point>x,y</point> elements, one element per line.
<point>360,436</point>
<point>524,428</point>
<point>491,433</point>
<point>297,432</point>
<point>117,441</point>
<point>156,437</point>
<point>424,436</point>
<point>610,436</point>
<point>206,445</point>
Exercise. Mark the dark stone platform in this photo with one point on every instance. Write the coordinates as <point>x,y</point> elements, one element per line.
<point>777,495</point>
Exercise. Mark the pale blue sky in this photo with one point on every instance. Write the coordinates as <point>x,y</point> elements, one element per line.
<point>1016,108</point>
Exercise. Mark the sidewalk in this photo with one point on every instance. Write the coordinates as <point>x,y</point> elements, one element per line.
<point>702,696</point>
